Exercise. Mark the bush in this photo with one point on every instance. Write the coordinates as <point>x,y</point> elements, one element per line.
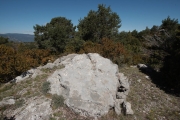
<point>3,40</point>
<point>15,62</point>
<point>57,101</point>
<point>45,87</point>
<point>7,58</point>
<point>111,50</point>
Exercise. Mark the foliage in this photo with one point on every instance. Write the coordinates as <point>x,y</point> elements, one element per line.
<point>163,52</point>
<point>57,101</point>
<point>130,41</point>
<point>52,118</point>
<point>97,33</point>
<point>154,29</point>
<point>54,35</point>
<point>133,45</point>
<point>147,31</point>
<point>3,40</point>
<point>112,50</point>
<point>14,62</point>
<point>171,66</point>
<point>99,24</point>
<point>90,47</point>
<point>45,87</point>
<point>158,41</point>
<point>74,45</point>
<point>21,47</point>
<point>169,24</point>
<point>7,58</point>
<point>19,103</point>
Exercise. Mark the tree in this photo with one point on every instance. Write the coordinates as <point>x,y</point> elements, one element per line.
<point>154,29</point>
<point>169,24</point>
<point>15,62</point>
<point>130,41</point>
<point>134,33</point>
<point>99,24</point>
<point>3,40</point>
<point>7,58</point>
<point>168,34</point>
<point>54,35</point>
<point>171,66</point>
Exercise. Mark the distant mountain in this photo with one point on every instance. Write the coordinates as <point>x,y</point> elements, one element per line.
<point>19,37</point>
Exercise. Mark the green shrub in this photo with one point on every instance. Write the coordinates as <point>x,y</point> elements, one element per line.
<point>19,103</point>
<point>45,87</point>
<point>52,118</point>
<point>57,101</point>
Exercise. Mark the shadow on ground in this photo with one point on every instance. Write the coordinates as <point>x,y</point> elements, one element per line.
<point>157,79</point>
<point>11,118</point>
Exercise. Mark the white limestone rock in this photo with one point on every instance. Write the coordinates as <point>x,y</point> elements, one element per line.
<point>127,108</point>
<point>7,101</point>
<point>35,109</point>
<point>89,84</point>
<point>32,73</point>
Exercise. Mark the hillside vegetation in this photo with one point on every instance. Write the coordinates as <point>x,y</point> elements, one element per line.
<point>149,102</point>
<point>19,37</point>
<point>158,47</point>
<point>98,33</point>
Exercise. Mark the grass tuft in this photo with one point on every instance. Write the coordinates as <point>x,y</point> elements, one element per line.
<point>19,103</point>
<point>57,101</point>
<point>45,87</point>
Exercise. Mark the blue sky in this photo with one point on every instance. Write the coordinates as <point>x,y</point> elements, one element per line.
<point>19,16</point>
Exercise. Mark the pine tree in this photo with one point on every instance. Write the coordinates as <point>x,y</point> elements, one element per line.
<point>99,24</point>
<point>54,35</point>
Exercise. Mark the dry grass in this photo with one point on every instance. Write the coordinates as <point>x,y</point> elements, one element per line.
<point>21,91</point>
<point>148,101</point>
<point>29,88</point>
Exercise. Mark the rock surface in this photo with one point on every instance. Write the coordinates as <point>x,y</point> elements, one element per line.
<point>32,73</point>
<point>36,109</point>
<point>127,108</point>
<point>90,84</point>
<point>7,101</point>
<point>142,66</point>
<point>145,68</point>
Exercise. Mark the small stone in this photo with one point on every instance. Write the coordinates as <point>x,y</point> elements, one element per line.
<point>133,66</point>
<point>147,77</point>
<point>7,101</point>
<point>142,66</point>
<point>127,108</point>
<point>139,80</point>
<point>120,95</point>
<point>117,106</point>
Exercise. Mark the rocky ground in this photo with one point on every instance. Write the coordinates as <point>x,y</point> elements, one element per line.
<point>29,97</point>
<point>148,101</point>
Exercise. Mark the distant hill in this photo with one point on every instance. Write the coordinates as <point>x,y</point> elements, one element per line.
<point>19,37</point>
